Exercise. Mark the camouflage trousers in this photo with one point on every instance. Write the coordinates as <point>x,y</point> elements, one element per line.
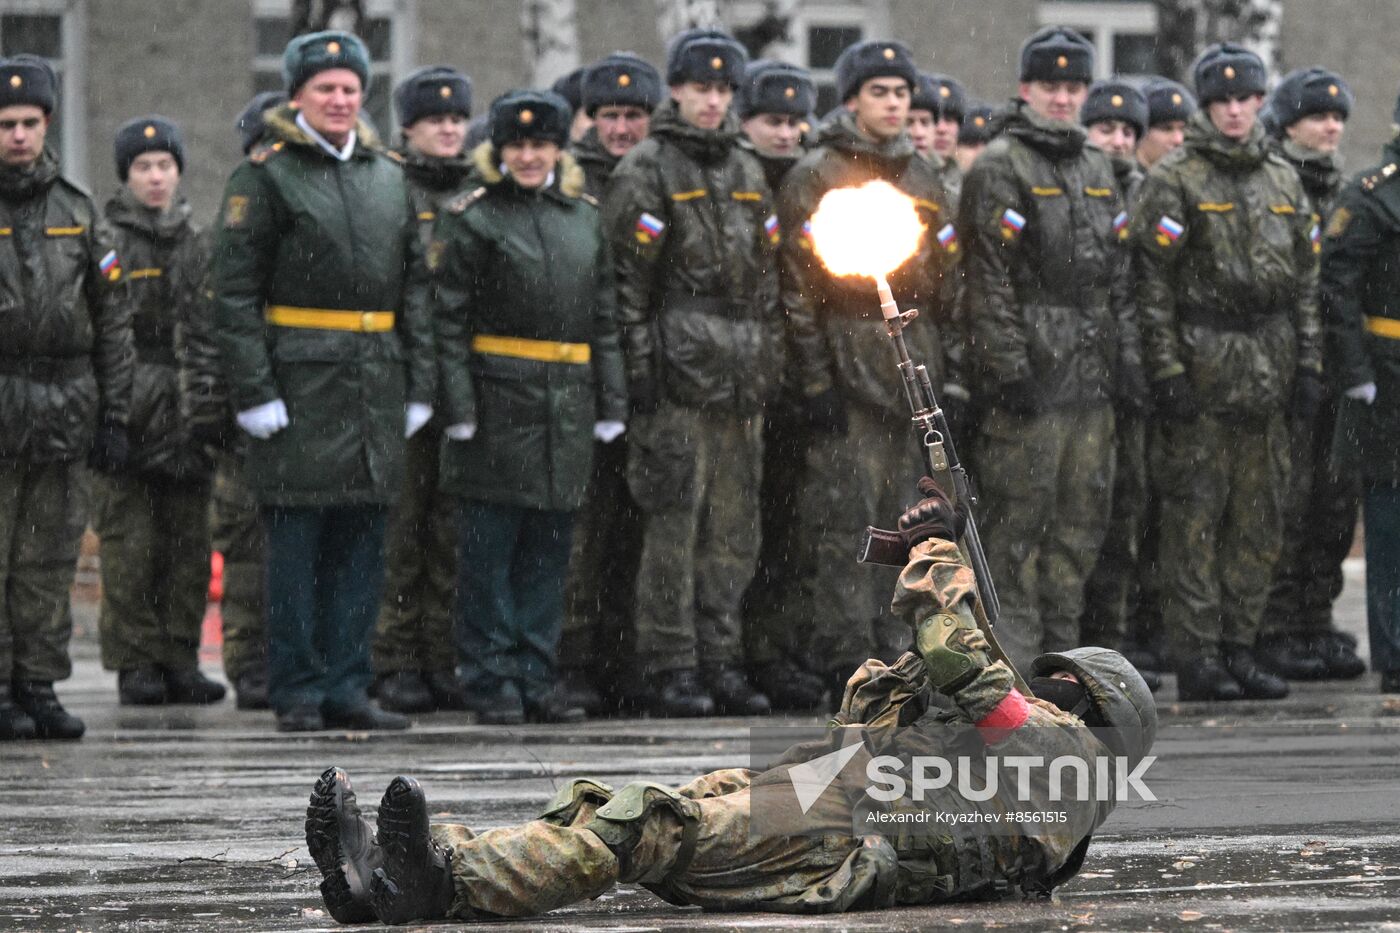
<point>1221,485</point>
<point>695,475</point>
<point>1111,590</point>
<point>414,629</point>
<point>1046,483</point>
<point>42,508</point>
<point>237,534</point>
<point>1319,528</point>
<point>865,477</point>
<point>155,570</point>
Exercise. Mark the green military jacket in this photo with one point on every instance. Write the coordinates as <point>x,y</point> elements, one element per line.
<point>1320,173</point>
<point>1223,235</point>
<point>166,259</point>
<point>301,236</point>
<point>432,183</point>
<point>596,162</point>
<point>1048,288</point>
<point>690,221</point>
<point>835,327</point>
<point>1361,307</point>
<point>66,354</point>
<point>527,336</point>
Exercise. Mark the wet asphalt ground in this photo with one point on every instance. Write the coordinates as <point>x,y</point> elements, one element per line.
<point>1271,816</point>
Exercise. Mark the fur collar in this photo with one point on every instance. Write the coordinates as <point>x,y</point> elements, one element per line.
<point>568,175</point>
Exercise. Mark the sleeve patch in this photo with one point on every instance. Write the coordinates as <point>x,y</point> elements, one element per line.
<point>434,254</point>
<point>1337,225</point>
<point>1011,224</point>
<point>110,266</point>
<point>648,228</point>
<point>948,238</point>
<point>1168,231</point>
<point>236,211</point>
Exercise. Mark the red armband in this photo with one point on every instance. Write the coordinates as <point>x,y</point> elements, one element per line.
<point>1005,718</point>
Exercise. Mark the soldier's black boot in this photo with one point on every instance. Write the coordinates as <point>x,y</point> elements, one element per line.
<point>342,843</point>
<point>188,685</point>
<point>553,706</point>
<point>51,720</point>
<point>1290,658</point>
<point>1338,655</point>
<point>1206,679</point>
<point>141,686</point>
<point>405,692</point>
<point>1257,683</point>
<point>15,724</point>
<point>448,691</point>
<point>251,688</point>
<point>415,882</point>
<point>790,688</point>
<point>579,691</point>
<point>679,693</point>
<point>733,694</point>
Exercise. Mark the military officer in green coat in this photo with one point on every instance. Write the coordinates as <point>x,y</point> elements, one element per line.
<point>328,352</point>
<point>531,376</point>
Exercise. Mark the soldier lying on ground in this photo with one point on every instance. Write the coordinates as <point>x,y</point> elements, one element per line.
<point>710,842</point>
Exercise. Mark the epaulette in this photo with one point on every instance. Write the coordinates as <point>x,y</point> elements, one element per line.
<point>396,156</point>
<point>466,200</point>
<point>587,198</point>
<point>1380,176</point>
<point>261,154</point>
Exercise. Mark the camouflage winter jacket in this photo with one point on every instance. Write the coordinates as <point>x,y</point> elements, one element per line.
<point>1224,239</point>
<point>596,162</point>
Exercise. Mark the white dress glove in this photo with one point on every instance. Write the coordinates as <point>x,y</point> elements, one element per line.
<point>608,431</point>
<point>416,414</point>
<point>460,432</point>
<point>263,421</point>
<point>1366,392</point>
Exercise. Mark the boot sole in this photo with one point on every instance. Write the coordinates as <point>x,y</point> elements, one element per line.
<point>403,831</point>
<point>323,841</point>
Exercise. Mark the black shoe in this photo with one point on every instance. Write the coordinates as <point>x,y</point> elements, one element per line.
<point>415,882</point>
<point>51,720</point>
<point>342,843</point>
<point>554,706</point>
<point>447,691</point>
<point>141,686</point>
<point>1255,681</point>
<point>577,690</point>
<point>679,693</point>
<point>1390,681</point>
<point>1206,679</point>
<point>365,716</point>
<point>501,706</point>
<point>734,695</point>
<point>188,685</point>
<point>15,724</point>
<point>405,692</point>
<point>790,688</point>
<point>251,688</point>
<point>1290,658</point>
<point>301,719</point>
<point>1339,656</point>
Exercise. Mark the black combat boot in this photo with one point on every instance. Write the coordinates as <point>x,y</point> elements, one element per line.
<point>679,693</point>
<point>579,691</point>
<point>361,717</point>
<point>188,685</point>
<point>1257,683</point>
<point>498,705</point>
<point>251,688</point>
<point>415,882</point>
<point>1290,657</point>
<point>51,720</point>
<point>1338,654</point>
<point>1390,681</point>
<point>553,706</point>
<point>141,686</point>
<point>305,717</point>
<point>448,691</point>
<point>733,694</point>
<point>790,688</point>
<point>15,724</point>
<point>1206,679</point>
<point>405,692</point>
<point>342,843</point>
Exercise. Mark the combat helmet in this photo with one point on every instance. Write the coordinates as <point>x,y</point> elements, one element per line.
<point>1118,692</point>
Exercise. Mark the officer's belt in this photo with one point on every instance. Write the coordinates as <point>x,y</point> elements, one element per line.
<point>364,322</point>
<point>1242,323</point>
<point>1384,327</point>
<point>45,368</point>
<point>545,351</point>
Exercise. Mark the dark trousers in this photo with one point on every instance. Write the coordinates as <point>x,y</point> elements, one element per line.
<point>511,596</point>
<point>1383,576</point>
<point>325,568</point>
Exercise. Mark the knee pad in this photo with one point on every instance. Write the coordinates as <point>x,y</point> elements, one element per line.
<point>573,798</point>
<point>621,822</point>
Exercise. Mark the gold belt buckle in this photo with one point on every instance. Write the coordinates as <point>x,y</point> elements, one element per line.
<point>366,321</point>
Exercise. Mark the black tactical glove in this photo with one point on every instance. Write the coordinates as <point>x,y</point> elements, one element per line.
<point>110,447</point>
<point>1020,397</point>
<point>934,517</point>
<point>826,413</point>
<point>644,395</point>
<point>1174,398</point>
<point>1308,392</point>
<point>1130,393</point>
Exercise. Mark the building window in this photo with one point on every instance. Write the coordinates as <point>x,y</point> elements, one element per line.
<point>1124,32</point>
<point>384,32</point>
<point>54,30</point>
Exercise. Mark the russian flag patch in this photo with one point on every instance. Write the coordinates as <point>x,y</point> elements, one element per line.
<point>770,227</point>
<point>649,227</point>
<point>110,266</point>
<point>948,238</point>
<point>1120,224</point>
<point>807,241</point>
<point>1316,236</point>
<point>1012,223</point>
<point>1168,231</point>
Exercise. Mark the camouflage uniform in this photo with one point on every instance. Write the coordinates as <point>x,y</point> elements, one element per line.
<point>1223,233</point>
<point>1053,344</point>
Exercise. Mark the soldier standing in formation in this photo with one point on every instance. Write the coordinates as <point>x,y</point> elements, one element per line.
<point>690,220</point>
<point>936,114</point>
<point>1227,292</point>
<point>974,134</point>
<point>414,657</point>
<point>66,367</point>
<point>1297,640</point>
<point>861,446</point>
<point>329,360</point>
<point>1052,347</point>
<point>152,514</point>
